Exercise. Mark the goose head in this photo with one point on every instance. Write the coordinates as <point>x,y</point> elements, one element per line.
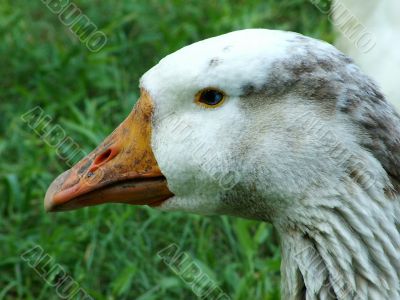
<point>261,124</point>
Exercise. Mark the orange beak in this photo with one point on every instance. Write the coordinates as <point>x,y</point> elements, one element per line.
<point>122,169</point>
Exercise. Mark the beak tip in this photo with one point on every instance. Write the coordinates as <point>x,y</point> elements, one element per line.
<point>49,204</point>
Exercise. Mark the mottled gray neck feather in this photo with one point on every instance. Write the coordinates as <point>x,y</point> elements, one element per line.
<point>343,246</point>
<point>346,244</point>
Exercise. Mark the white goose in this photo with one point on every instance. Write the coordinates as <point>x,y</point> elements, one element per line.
<point>272,126</point>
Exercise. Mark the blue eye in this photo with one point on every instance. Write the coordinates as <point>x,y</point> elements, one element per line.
<point>210,97</point>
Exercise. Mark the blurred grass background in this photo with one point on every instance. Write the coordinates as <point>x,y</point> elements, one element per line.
<point>112,250</point>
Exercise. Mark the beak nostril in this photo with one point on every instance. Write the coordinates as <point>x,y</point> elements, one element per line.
<point>103,157</point>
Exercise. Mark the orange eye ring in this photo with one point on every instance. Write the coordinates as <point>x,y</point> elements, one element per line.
<point>210,97</point>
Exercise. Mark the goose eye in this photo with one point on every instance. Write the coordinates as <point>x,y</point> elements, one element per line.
<point>210,97</point>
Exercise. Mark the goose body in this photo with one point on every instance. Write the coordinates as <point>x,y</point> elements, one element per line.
<point>272,126</point>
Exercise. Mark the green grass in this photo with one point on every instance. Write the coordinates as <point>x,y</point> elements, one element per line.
<point>112,250</point>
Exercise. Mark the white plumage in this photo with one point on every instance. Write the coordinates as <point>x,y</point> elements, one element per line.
<point>314,143</point>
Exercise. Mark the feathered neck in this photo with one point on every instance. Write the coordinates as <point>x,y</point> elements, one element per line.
<point>343,245</point>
